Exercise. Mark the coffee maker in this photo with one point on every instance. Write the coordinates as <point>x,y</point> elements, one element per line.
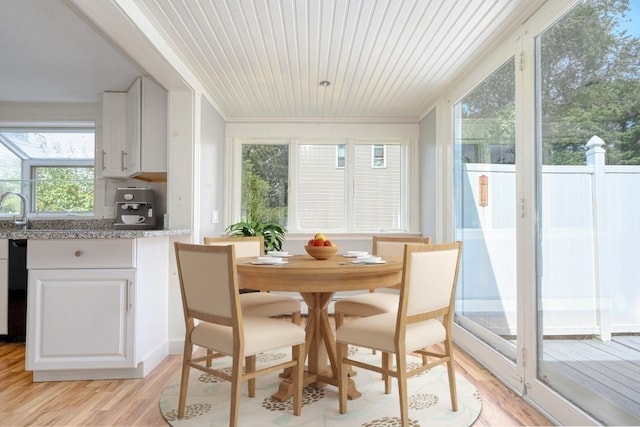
<point>134,209</point>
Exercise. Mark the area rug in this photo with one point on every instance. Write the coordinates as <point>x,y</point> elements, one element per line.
<point>429,403</point>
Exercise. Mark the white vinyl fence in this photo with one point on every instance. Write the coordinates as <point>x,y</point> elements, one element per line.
<point>590,222</point>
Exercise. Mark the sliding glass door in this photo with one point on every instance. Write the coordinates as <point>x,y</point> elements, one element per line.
<point>588,97</point>
<point>546,179</point>
<point>485,210</point>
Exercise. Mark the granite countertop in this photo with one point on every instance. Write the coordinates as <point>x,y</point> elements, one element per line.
<point>78,229</point>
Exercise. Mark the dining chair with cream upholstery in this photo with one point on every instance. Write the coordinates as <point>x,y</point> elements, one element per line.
<point>263,304</point>
<point>421,319</point>
<point>373,303</point>
<point>246,246</point>
<point>215,320</point>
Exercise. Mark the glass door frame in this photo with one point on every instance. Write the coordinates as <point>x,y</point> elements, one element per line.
<point>521,377</point>
<point>501,366</point>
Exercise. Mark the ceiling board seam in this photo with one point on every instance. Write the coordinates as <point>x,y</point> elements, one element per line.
<point>277,69</point>
<point>263,98</point>
<point>367,67</point>
<point>195,58</point>
<point>424,53</point>
<point>380,87</point>
<point>367,22</point>
<point>232,59</point>
<point>267,39</point>
<point>342,63</point>
<point>439,65</point>
<point>417,69</point>
<point>290,58</point>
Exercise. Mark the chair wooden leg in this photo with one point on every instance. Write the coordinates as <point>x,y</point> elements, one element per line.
<point>343,376</point>
<point>339,319</point>
<point>298,375</point>
<point>250,366</point>
<point>209,358</point>
<point>401,367</point>
<point>236,383</point>
<point>184,379</point>
<point>296,318</point>
<point>386,364</point>
<point>448,348</point>
<point>452,386</point>
<point>425,358</point>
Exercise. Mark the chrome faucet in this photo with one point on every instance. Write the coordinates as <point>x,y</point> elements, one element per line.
<point>24,218</point>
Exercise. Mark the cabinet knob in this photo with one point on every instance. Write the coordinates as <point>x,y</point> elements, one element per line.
<point>78,253</point>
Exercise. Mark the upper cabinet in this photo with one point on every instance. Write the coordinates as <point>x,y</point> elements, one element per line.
<point>113,156</point>
<point>134,132</point>
<point>146,130</point>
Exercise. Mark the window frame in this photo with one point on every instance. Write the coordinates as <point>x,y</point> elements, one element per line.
<point>30,167</point>
<point>409,179</point>
<point>29,164</point>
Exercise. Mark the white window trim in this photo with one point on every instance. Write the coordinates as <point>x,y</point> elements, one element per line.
<point>29,164</point>
<point>28,172</point>
<point>409,179</point>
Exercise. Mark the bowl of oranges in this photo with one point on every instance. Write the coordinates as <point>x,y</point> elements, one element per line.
<point>320,247</point>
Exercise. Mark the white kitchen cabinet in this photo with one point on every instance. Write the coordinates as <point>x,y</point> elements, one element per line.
<point>4,287</point>
<point>112,158</point>
<point>97,308</point>
<point>81,319</point>
<point>146,129</point>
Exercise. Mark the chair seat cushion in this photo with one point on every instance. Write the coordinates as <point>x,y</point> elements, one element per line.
<point>263,304</point>
<point>260,334</point>
<point>368,304</point>
<point>378,332</point>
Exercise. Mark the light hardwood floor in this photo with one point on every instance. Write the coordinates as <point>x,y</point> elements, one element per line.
<point>136,402</point>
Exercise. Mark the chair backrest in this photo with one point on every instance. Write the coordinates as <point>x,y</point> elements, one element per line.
<point>246,246</point>
<point>208,283</point>
<point>393,247</point>
<point>429,280</point>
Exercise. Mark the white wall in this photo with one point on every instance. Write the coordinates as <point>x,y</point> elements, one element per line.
<point>184,131</point>
<point>212,177</point>
<point>427,176</point>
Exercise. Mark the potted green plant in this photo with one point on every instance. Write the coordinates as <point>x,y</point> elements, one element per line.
<point>273,233</point>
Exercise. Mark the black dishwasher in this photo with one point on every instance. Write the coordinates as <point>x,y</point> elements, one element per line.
<point>17,307</point>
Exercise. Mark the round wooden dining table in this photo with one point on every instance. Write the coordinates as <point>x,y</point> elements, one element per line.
<point>317,281</point>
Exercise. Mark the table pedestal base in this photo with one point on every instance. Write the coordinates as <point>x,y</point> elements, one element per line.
<point>285,389</point>
<point>320,345</point>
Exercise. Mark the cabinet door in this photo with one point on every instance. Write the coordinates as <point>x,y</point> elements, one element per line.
<point>80,319</point>
<point>146,127</point>
<point>113,154</point>
<point>153,130</point>
<point>134,122</point>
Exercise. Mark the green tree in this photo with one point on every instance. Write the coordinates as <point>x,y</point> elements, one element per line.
<point>265,176</point>
<point>64,189</point>
<point>259,219</point>
<point>590,84</point>
<point>488,117</point>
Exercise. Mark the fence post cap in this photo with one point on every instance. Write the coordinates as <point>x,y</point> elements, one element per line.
<point>595,142</point>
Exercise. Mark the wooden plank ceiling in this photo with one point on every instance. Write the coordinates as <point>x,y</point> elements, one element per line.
<point>386,59</point>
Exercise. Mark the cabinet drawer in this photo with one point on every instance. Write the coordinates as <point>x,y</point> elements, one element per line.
<point>81,253</point>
